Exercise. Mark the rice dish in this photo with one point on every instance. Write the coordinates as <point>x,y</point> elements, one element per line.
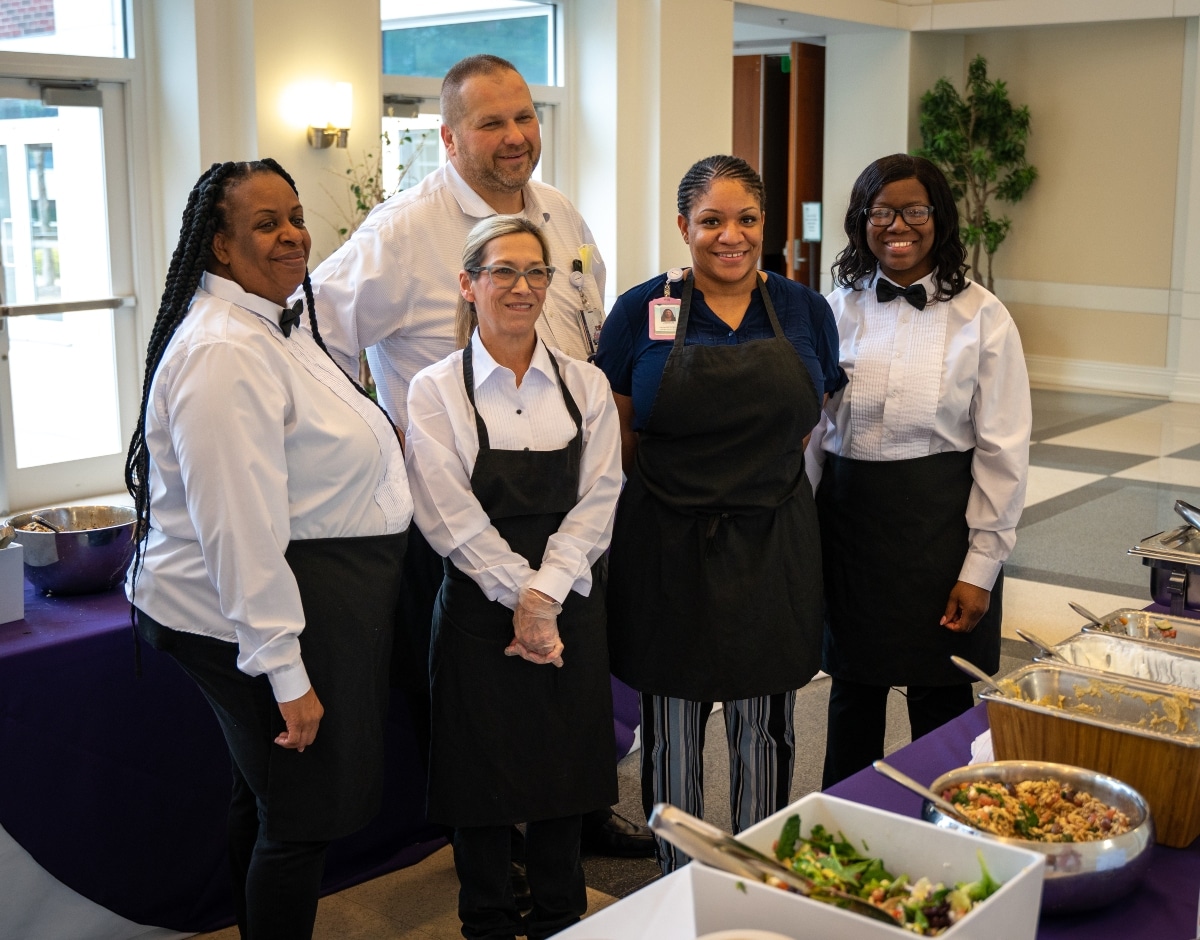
<point>1037,810</point>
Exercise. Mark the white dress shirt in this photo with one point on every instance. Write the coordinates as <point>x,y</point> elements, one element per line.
<point>255,439</point>
<point>443,444</point>
<point>950,377</point>
<point>392,289</point>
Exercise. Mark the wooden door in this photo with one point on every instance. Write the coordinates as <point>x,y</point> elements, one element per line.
<point>806,145</point>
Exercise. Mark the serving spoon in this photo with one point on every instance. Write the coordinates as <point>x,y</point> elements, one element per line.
<point>1044,648</point>
<point>42,520</point>
<point>945,806</point>
<point>714,847</point>
<point>7,534</point>
<point>978,674</point>
<point>1084,612</point>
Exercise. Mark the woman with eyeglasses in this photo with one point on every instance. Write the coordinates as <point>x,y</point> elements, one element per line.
<point>715,583</point>
<point>514,459</point>
<point>925,452</point>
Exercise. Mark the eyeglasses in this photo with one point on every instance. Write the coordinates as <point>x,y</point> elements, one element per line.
<point>504,276</point>
<point>886,215</point>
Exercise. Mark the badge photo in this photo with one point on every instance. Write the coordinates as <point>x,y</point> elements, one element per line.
<point>664,317</point>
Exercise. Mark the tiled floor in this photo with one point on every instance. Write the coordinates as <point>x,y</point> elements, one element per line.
<point>1105,472</point>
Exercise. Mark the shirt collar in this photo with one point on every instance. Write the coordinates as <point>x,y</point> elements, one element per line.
<point>484,365</point>
<point>232,292</point>
<point>476,206</point>
<point>927,281</point>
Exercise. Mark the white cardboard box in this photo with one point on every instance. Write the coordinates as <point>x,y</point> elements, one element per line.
<point>12,583</point>
<point>698,899</point>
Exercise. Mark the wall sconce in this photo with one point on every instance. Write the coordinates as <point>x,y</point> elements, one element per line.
<point>330,112</point>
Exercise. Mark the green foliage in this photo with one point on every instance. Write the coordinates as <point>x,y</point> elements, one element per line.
<point>979,143</point>
<point>365,185</point>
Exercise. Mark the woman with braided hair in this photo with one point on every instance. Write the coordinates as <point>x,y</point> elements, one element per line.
<point>273,510</point>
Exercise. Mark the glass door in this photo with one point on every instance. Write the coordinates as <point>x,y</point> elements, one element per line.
<point>68,358</point>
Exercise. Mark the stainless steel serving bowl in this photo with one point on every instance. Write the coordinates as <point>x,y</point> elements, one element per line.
<point>1080,876</point>
<point>89,555</point>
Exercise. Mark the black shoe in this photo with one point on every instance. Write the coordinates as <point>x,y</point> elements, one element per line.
<point>520,887</point>
<point>606,833</point>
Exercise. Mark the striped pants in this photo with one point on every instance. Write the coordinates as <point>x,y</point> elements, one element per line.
<point>762,752</point>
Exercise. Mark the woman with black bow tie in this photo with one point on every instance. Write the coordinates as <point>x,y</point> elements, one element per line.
<point>273,509</point>
<point>925,452</point>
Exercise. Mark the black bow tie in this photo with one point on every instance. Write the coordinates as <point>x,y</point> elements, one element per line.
<point>886,291</point>
<point>290,316</point>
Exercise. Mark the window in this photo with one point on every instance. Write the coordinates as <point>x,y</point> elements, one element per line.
<point>411,110</point>
<point>64,27</point>
<point>418,43</point>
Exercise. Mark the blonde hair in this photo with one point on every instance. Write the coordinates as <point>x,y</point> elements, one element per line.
<point>482,235</point>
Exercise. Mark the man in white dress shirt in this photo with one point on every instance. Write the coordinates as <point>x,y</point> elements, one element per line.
<point>392,290</point>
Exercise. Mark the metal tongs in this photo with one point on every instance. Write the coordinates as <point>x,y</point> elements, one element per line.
<point>707,843</point>
<point>1188,513</point>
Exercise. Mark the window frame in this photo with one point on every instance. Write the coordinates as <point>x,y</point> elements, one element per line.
<point>131,234</point>
<point>551,101</point>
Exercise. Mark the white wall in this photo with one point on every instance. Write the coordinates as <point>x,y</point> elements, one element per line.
<point>867,97</point>
<point>644,110</point>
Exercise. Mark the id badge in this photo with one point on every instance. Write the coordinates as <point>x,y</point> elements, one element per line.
<point>592,320</point>
<point>664,317</point>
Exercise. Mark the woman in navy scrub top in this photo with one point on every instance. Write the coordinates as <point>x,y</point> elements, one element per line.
<point>715,579</point>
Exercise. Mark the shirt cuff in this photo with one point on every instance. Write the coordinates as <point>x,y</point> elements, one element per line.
<point>289,682</point>
<point>980,570</point>
<point>552,582</point>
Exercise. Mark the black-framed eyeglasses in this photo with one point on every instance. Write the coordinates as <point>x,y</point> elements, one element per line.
<point>886,215</point>
<point>503,276</point>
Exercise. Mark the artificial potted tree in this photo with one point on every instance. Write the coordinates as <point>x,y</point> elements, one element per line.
<point>979,143</point>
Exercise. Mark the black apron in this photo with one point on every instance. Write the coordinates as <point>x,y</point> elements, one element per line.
<point>894,535</point>
<point>715,582</point>
<point>514,741</point>
<point>350,590</point>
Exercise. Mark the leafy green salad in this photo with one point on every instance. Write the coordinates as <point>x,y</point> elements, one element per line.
<point>920,906</point>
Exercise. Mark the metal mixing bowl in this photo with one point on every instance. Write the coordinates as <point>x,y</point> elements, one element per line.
<point>1080,876</point>
<point>89,555</point>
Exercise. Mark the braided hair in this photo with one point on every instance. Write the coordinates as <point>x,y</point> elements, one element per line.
<point>703,173</point>
<point>203,217</point>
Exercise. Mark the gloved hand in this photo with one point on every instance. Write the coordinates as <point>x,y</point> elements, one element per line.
<point>535,628</point>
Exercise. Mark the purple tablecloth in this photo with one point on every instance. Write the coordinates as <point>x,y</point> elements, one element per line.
<point>118,786</point>
<point>1163,908</point>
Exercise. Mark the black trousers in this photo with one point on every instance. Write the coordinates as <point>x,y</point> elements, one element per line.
<point>276,884</point>
<point>485,899</point>
<point>858,721</point>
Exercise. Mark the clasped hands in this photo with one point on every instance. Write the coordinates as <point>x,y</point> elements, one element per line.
<point>535,629</point>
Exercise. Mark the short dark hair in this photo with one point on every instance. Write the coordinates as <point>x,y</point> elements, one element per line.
<point>460,71</point>
<point>856,262</point>
<point>697,180</point>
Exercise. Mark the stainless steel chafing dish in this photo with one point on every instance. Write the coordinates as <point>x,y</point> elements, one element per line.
<point>1128,657</point>
<point>1174,561</point>
<point>1149,627</point>
<point>1143,733</point>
